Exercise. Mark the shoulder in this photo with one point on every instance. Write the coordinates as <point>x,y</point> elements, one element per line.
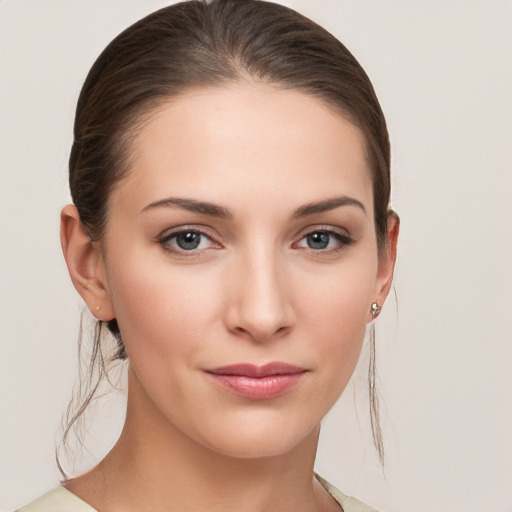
<point>58,499</point>
<point>348,503</point>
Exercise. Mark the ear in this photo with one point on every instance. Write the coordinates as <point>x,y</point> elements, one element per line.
<point>387,260</point>
<point>86,265</point>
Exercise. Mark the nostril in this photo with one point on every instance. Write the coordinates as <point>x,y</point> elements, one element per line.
<point>261,335</point>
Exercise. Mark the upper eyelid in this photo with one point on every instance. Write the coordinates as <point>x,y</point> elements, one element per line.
<point>167,233</point>
<point>324,228</point>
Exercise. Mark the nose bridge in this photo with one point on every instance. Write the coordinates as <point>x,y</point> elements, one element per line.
<point>260,305</point>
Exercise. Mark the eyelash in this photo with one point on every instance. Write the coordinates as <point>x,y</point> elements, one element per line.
<point>344,240</point>
<point>164,240</point>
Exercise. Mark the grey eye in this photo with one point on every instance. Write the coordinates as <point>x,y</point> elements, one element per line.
<point>188,240</point>
<point>318,240</point>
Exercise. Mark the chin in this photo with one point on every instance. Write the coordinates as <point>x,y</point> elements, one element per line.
<point>259,436</point>
<point>257,447</point>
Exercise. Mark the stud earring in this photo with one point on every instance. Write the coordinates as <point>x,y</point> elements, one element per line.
<point>97,308</point>
<point>375,310</point>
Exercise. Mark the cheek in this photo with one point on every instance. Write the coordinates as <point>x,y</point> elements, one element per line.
<point>336,308</point>
<point>157,307</point>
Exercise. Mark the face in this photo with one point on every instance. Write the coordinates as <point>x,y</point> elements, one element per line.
<point>241,261</point>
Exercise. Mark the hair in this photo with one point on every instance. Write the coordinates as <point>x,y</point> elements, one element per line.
<point>206,44</point>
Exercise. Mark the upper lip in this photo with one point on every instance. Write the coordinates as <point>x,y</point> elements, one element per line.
<point>255,371</point>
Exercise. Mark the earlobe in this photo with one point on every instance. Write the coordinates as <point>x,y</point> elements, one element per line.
<point>85,264</point>
<point>387,261</point>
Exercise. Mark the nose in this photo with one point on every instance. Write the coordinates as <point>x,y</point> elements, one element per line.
<point>259,306</point>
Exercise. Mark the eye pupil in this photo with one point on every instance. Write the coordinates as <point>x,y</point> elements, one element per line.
<point>188,240</point>
<point>318,240</point>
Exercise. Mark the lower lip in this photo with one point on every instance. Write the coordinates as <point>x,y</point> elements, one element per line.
<point>258,388</point>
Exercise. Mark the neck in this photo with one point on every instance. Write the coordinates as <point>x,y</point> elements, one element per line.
<point>156,466</point>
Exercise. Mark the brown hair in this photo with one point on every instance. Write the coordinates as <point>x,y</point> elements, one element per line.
<point>200,43</point>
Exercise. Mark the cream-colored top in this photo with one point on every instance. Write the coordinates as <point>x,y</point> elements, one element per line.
<point>59,499</point>
<point>348,504</point>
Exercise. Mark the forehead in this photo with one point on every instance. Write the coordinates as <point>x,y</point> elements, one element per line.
<point>244,141</point>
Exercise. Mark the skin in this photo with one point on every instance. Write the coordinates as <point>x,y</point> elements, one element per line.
<point>254,291</point>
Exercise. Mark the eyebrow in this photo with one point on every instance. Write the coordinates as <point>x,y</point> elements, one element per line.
<point>327,205</point>
<point>214,210</point>
<point>191,205</point>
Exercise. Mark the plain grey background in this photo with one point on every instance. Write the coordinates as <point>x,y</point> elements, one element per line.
<point>443,72</point>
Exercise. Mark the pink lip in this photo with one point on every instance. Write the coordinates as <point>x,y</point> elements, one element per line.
<point>257,382</point>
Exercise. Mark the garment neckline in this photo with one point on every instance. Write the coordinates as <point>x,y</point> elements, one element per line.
<point>333,492</point>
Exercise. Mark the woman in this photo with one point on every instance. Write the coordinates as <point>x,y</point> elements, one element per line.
<point>230,225</point>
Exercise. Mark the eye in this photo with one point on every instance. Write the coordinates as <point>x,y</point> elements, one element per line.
<point>186,240</point>
<point>324,240</point>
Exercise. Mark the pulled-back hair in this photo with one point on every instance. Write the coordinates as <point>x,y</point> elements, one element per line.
<point>203,44</point>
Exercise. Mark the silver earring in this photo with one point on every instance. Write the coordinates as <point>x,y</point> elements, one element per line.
<point>374,309</point>
<point>97,308</point>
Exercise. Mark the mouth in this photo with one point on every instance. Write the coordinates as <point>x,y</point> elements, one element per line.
<point>257,382</point>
